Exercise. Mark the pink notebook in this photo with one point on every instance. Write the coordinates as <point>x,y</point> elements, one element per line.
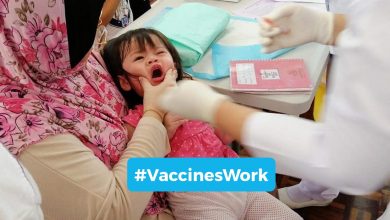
<point>281,75</point>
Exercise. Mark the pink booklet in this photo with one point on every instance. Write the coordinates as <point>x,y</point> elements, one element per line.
<point>280,75</point>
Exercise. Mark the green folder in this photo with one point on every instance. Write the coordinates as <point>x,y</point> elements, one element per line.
<point>191,28</point>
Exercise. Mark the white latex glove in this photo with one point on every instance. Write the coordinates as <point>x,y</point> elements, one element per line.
<point>193,100</point>
<point>293,25</point>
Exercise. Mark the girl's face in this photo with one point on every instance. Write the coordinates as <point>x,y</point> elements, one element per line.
<point>151,63</point>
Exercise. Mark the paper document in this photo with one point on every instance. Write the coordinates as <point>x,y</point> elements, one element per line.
<point>257,8</point>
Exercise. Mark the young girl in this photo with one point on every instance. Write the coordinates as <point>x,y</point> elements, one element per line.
<point>147,53</point>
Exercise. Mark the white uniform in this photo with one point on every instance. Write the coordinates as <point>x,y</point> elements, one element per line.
<point>341,6</point>
<point>19,195</point>
<point>350,150</point>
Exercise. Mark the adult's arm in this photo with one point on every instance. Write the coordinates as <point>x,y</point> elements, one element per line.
<point>338,26</point>
<point>345,153</point>
<point>349,149</point>
<point>108,10</point>
<point>75,184</point>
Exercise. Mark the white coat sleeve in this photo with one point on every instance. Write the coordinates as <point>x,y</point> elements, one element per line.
<point>350,149</point>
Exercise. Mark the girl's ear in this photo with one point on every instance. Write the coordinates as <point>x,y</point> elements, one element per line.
<point>124,83</point>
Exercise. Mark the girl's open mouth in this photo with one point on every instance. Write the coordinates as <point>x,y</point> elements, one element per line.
<point>157,73</point>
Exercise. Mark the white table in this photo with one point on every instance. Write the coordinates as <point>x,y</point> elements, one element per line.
<point>315,56</point>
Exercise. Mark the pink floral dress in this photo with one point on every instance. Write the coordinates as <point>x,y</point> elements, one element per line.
<point>192,139</point>
<point>41,95</point>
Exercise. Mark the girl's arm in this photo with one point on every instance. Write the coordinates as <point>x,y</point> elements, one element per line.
<point>172,122</point>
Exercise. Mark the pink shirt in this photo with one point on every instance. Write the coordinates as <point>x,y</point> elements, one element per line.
<point>192,139</point>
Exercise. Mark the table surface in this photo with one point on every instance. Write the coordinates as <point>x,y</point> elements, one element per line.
<point>314,55</point>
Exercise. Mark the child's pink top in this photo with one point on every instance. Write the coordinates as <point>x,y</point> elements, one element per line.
<point>192,139</point>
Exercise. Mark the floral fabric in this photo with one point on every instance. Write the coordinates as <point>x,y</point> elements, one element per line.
<point>41,95</point>
<point>191,139</point>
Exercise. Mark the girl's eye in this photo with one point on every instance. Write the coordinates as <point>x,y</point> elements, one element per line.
<point>161,52</point>
<point>138,58</point>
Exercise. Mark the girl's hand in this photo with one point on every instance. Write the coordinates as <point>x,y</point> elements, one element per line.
<point>130,131</point>
<point>225,138</point>
<point>172,122</point>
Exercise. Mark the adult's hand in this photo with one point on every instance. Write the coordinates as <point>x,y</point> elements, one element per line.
<point>192,99</point>
<point>293,25</point>
<point>151,93</point>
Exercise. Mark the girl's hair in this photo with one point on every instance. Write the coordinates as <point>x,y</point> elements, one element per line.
<point>115,51</point>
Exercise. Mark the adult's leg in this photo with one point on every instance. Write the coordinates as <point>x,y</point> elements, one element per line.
<point>208,206</point>
<point>166,214</point>
<point>308,190</point>
<point>266,207</point>
<point>75,184</point>
<point>307,193</point>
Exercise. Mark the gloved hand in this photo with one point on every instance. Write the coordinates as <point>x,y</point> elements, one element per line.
<point>192,99</point>
<point>293,25</point>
